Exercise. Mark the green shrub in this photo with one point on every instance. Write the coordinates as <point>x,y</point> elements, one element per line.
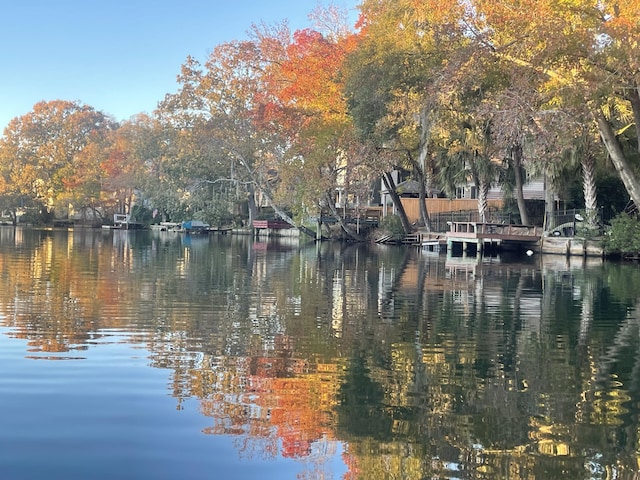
<point>624,236</point>
<point>141,214</point>
<point>36,216</point>
<point>392,225</point>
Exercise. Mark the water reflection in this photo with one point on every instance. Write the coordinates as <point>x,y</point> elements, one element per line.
<point>356,361</point>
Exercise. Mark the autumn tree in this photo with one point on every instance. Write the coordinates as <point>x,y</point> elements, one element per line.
<point>583,53</point>
<point>555,59</point>
<point>128,152</point>
<point>214,111</point>
<point>271,117</point>
<point>401,79</point>
<point>52,154</point>
<point>12,197</point>
<point>305,98</point>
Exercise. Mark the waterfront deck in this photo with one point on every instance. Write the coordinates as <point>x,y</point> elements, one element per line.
<point>271,224</point>
<point>481,236</point>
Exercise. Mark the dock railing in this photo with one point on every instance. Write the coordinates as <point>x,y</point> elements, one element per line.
<point>493,230</point>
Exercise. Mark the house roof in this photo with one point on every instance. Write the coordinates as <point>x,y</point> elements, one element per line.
<point>408,187</point>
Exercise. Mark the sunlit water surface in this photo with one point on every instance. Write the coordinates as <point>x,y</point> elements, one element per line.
<point>131,355</point>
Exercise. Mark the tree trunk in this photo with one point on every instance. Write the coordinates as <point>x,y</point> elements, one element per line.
<point>251,204</point>
<point>266,192</point>
<point>634,98</point>
<point>516,163</point>
<point>618,159</point>
<point>589,188</point>
<point>391,188</point>
<point>334,211</point>
<point>287,218</point>
<point>422,198</point>
<point>549,222</point>
<point>422,195</point>
<point>96,213</point>
<point>425,135</point>
<point>483,193</point>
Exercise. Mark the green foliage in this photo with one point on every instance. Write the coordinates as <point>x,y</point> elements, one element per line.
<point>36,216</point>
<point>612,195</point>
<point>583,229</point>
<point>142,214</point>
<point>217,214</point>
<point>572,193</point>
<point>509,211</point>
<point>392,225</point>
<point>624,236</point>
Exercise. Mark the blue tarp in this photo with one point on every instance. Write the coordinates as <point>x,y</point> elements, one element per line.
<point>194,225</point>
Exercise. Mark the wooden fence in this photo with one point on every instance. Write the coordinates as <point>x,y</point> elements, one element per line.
<point>439,205</point>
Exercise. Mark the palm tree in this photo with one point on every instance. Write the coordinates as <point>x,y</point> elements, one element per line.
<point>467,158</point>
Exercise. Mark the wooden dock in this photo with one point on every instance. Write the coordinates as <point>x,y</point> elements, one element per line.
<point>275,227</point>
<point>275,224</point>
<point>481,236</point>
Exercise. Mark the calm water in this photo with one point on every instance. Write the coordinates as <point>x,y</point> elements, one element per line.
<point>135,355</point>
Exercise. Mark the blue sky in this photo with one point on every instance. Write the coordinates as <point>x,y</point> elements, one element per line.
<point>120,56</point>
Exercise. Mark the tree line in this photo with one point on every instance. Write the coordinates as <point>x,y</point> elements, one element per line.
<point>465,92</point>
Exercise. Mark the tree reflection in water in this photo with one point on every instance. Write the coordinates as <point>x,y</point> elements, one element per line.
<point>413,365</point>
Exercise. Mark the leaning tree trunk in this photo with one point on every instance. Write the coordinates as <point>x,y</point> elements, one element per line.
<point>287,218</point>
<point>516,163</point>
<point>627,175</point>
<point>634,98</point>
<point>334,212</point>
<point>266,191</point>
<point>391,188</point>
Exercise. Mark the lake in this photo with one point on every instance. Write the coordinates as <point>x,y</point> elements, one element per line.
<point>136,354</point>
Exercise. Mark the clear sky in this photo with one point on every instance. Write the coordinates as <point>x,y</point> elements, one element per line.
<point>120,56</point>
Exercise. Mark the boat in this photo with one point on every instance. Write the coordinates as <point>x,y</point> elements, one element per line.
<point>123,222</point>
<point>167,227</point>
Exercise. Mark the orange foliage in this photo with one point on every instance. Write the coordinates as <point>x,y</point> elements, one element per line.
<point>306,86</point>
